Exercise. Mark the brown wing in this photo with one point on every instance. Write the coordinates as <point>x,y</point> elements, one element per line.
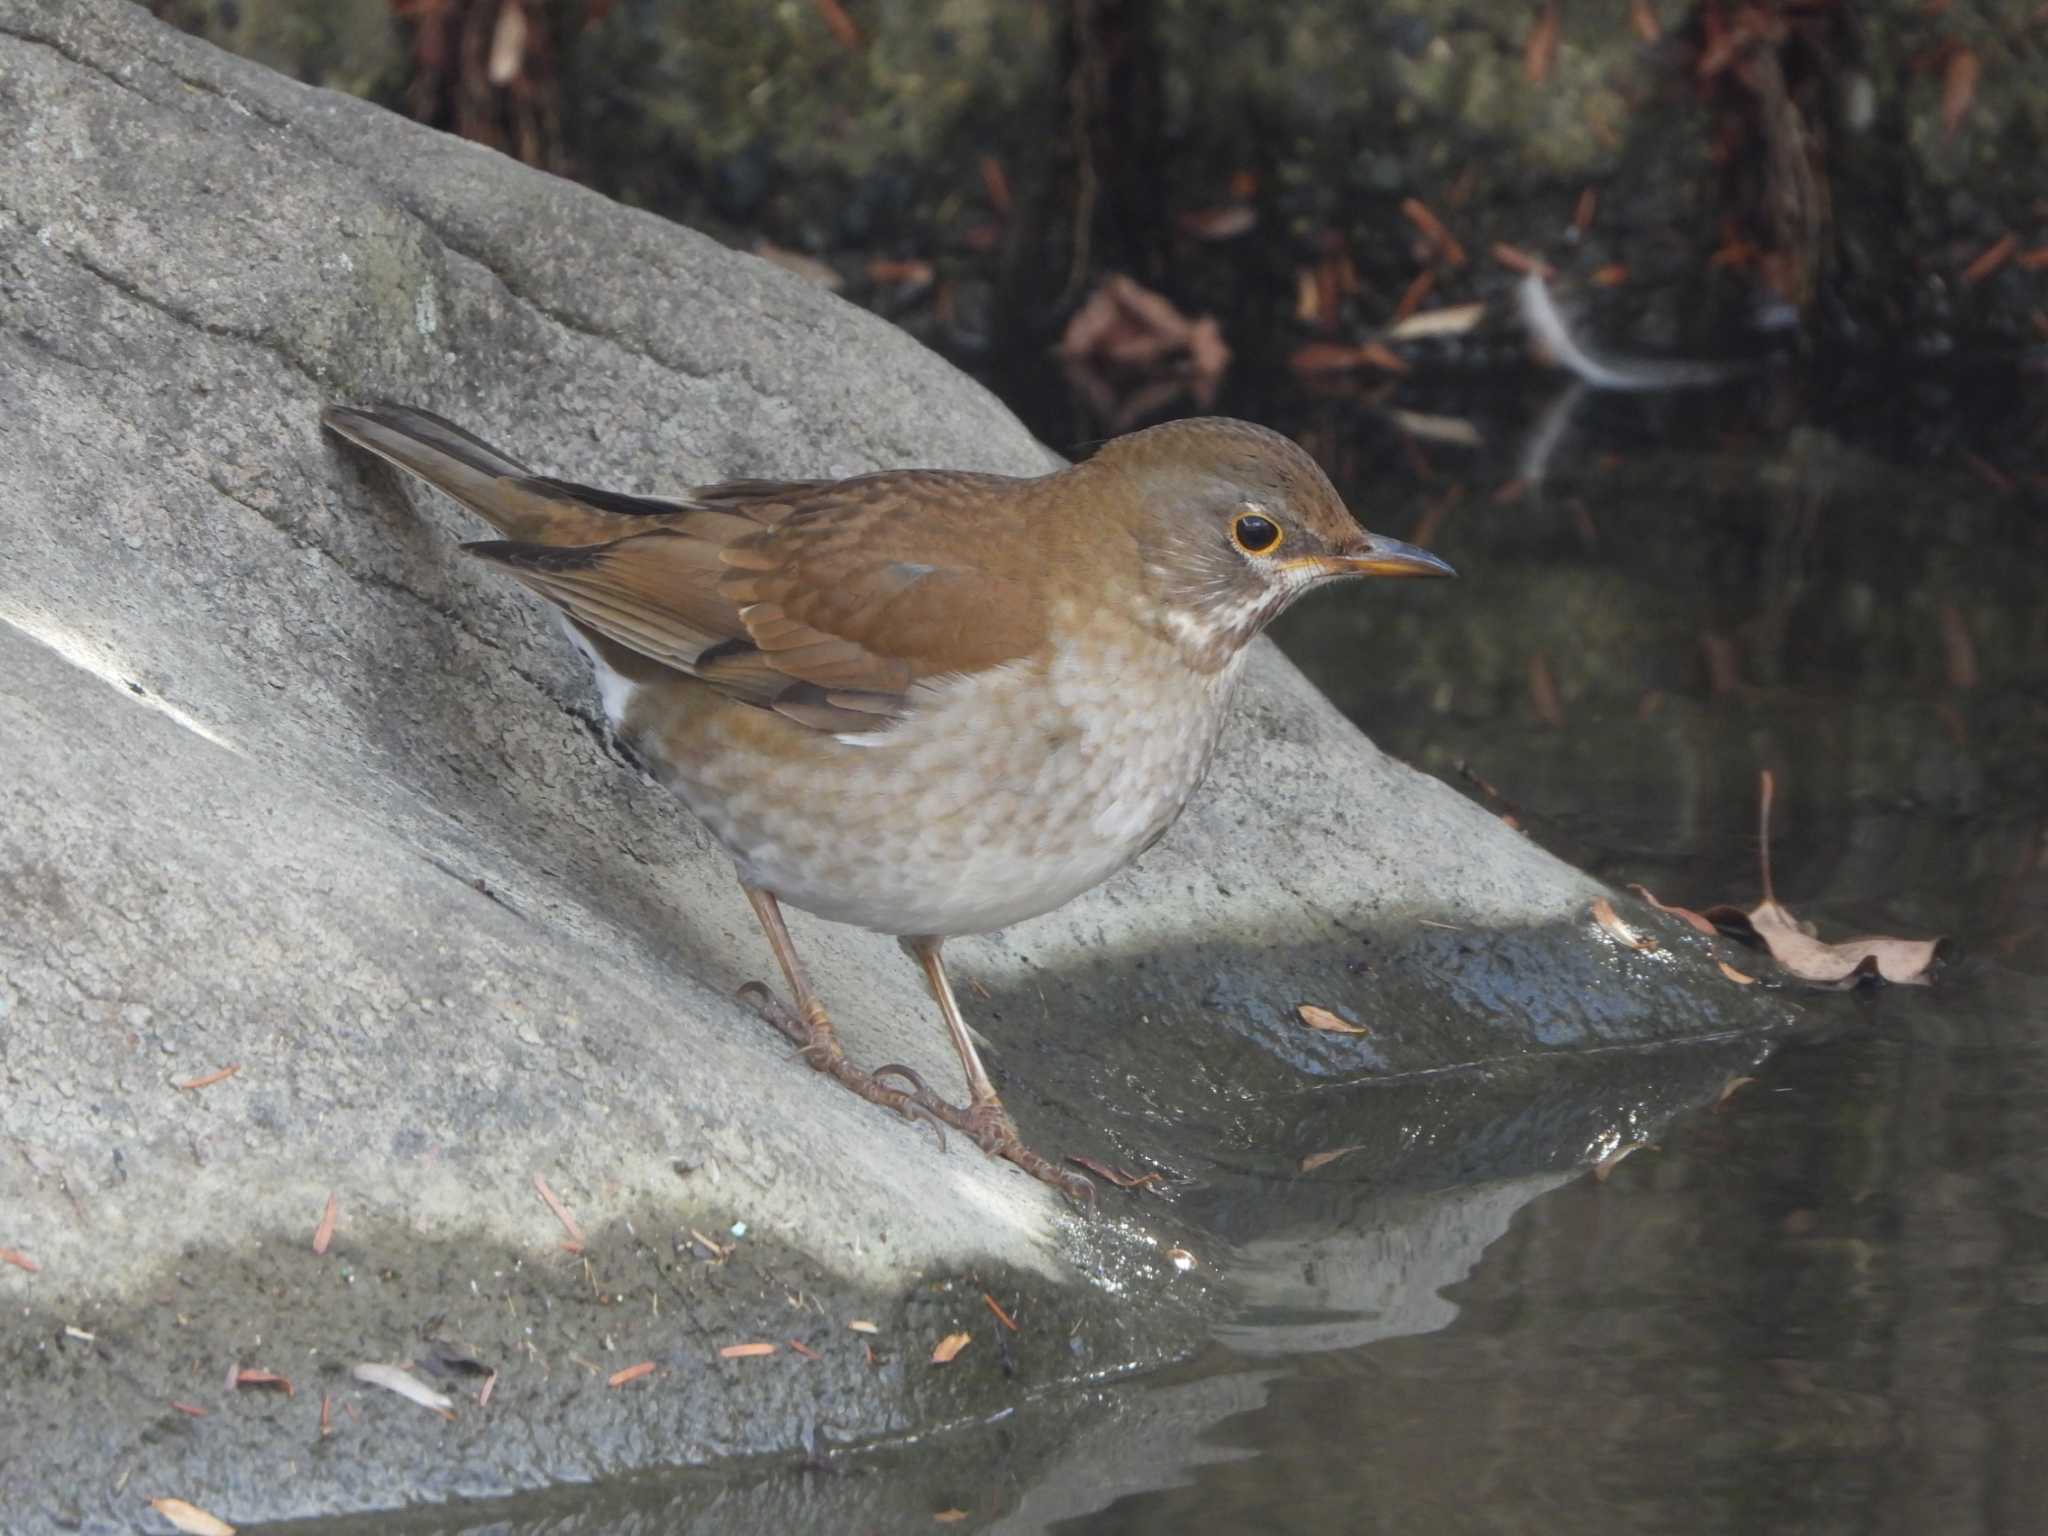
<point>822,614</point>
<point>818,613</point>
<point>828,601</point>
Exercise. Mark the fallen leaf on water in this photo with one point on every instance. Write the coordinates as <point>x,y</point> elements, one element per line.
<point>395,1378</point>
<point>1455,430</point>
<point>1323,1019</point>
<point>1903,962</point>
<point>1605,915</point>
<point>1449,320</point>
<point>324,1233</point>
<point>1683,914</point>
<point>1543,694</point>
<point>1612,1160</point>
<point>1734,975</point>
<point>949,1346</point>
<point>747,1351</point>
<point>252,1378</point>
<point>1316,1160</point>
<point>630,1373</point>
<point>1729,1089</point>
<point>191,1519</point>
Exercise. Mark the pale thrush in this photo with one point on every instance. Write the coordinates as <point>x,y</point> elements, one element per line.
<point>922,701</point>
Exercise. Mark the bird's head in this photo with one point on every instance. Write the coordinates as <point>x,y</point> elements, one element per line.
<point>1234,522</point>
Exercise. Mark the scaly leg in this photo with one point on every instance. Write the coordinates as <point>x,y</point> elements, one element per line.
<point>811,1031</point>
<point>984,1120</point>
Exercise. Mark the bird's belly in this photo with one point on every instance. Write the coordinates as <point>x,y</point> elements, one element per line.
<point>1007,796</point>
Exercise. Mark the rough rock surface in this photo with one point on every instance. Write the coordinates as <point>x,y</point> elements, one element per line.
<point>291,787</point>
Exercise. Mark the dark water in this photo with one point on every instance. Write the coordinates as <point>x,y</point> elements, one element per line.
<point>1821,1305</point>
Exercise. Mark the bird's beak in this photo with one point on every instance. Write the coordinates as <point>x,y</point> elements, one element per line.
<point>1382,556</point>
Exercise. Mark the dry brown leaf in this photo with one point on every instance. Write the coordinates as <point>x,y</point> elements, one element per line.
<point>747,1351</point>
<point>951,1345</point>
<point>1448,320</point>
<point>1515,259</point>
<point>1224,222</point>
<point>1539,49</point>
<point>1903,962</point>
<point>1612,1160</point>
<point>809,268</point>
<point>1331,1023</point>
<point>209,1079</point>
<point>1958,88</point>
<point>1684,914</point>
<point>1605,915</point>
<point>1543,695</point>
<point>1418,213</point>
<point>1734,975</point>
<point>324,1233</point>
<point>561,1211</point>
<point>1316,1160</point>
<point>1454,430</point>
<point>630,1373</point>
<point>191,1519</point>
<point>1729,1089</point>
<point>839,24</point>
<point>1991,258</point>
<point>508,45</point>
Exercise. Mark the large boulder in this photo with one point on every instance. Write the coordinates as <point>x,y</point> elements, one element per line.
<point>293,788</point>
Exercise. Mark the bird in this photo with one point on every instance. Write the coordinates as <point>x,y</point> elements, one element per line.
<point>924,702</point>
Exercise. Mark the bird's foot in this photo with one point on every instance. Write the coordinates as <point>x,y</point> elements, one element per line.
<point>989,1126</point>
<point>818,1044</point>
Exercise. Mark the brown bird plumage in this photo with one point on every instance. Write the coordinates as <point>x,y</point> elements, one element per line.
<point>922,701</point>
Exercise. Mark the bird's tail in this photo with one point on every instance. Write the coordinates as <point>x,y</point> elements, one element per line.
<point>519,504</point>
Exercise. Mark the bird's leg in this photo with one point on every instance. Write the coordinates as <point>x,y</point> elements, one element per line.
<point>810,1029</point>
<point>984,1120</point>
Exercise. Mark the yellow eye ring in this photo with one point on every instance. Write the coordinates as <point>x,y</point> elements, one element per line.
<point>1255,533</point>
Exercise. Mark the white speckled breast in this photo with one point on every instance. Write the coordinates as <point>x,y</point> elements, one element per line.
<point>1004,795</point>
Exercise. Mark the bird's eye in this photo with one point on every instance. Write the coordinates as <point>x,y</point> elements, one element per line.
<point>1255,535</point>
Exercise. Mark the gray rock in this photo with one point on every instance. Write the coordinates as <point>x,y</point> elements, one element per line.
<point>291,787</point>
